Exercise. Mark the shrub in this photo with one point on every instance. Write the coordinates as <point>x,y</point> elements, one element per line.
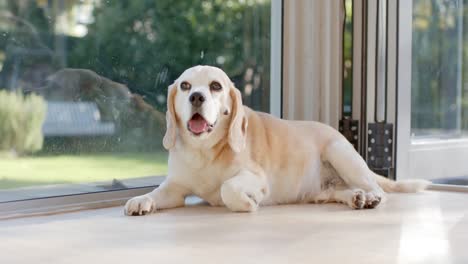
<point>21,119</point>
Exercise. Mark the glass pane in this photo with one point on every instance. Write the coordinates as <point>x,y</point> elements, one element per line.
<point>83,84</point>
<point>348,59</point>
<point>439,94</point>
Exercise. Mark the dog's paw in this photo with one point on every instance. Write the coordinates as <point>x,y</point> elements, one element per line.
<point>140,205</point>
<point>372,200</point>
<point>240,199</point>
<point>363,200</point>
<point>358,199</point>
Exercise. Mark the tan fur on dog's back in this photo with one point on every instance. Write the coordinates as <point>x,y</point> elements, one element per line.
<point>283,149</point>
<point>267,134</point>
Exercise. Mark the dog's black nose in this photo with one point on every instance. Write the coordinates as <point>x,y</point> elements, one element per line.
<point>197,99</point>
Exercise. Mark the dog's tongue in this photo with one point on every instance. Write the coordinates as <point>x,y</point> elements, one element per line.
<point>197,124</point>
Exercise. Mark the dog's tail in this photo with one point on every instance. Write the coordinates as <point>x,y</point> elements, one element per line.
<point>403,186</point>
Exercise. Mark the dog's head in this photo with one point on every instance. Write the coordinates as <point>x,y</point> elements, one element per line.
<point>203,107</point>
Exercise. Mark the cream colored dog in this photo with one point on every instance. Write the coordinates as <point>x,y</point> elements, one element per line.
<point>232,156</point>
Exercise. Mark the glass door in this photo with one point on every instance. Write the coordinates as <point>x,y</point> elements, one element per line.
<point>433,91</point>
<point>83,84</point>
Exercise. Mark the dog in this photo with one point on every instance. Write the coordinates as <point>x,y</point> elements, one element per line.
<point>229,155</point>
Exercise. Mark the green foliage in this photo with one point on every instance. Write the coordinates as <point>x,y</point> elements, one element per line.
<point>144,44</point>
<point>147,44</point>
<point>21,119</point>
<point>348,59</point>
<point>439,54</point>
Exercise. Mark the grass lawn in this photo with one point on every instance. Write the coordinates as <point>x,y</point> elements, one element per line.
<point>43,170</point>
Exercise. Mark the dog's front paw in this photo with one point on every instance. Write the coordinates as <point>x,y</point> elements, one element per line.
<point>140,205</point>
<point>240,199</point>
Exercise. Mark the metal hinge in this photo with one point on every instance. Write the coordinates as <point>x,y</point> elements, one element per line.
<point>380,148</point>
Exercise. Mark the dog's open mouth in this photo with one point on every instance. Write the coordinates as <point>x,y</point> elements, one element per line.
<point>198,125</point>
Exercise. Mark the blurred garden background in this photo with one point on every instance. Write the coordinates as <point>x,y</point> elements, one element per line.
<point>83,82</point>
<point>439,88</point>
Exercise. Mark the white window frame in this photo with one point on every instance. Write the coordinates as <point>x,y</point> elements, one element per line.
<point>276,57</point>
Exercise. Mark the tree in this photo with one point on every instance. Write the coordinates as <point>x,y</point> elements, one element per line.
<point>147,44</point>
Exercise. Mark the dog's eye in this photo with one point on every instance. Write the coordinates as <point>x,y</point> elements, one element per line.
<point>215,86</point>
<point>185,86</point>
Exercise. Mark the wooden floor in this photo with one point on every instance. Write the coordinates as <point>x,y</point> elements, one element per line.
<point>430,227</point>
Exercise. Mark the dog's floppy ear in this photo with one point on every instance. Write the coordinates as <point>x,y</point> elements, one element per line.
<point>238,126</point>
<point>171,125</point>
